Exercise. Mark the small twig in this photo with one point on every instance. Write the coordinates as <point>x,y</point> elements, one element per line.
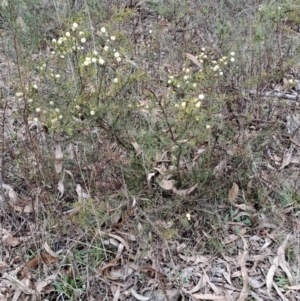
<point>275,94</point>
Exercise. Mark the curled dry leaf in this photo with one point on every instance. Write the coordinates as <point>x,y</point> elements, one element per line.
<point>136,147</point>
<point>114,274</point>
<point>70,174</point>
<point>167,184</point>
<point>42,284</point>
<point>138,297</point>
<point>149,177</point>
<point>44,257</point>
<point>159,158</point>
<point>49,251</point>
<point>184,192</point>
<point>233,193</point>
<point>112,263</point>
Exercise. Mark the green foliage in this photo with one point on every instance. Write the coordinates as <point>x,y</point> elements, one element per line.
<point>69,287</point>
<point>90,215</point>
<point>282,282</point>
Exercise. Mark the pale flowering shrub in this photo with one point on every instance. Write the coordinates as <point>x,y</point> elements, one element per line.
<point>86,79</point>
<point>196,88</point>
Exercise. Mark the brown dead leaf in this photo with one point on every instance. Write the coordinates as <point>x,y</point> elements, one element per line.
<point>58,152</point>
<point>208,297</point>
<point>194,260</point>
<point>82,195</point>
<point>199,152</point>
<point>242,262</point>
<point>278,290</point>
<point>244,207</point>
<point>282,262</point>
<point>230,238</point>
<point>219,169</point>
<point>212,285</point>
<point>13,197</point>
<point>192,58</point>
<point>270,275</point>
<point>71,212</point>
<point>24,209</point>
<point>160,158</point>
<point>233,193</point>
<point>286,158</point>
<point>34,262</point>
<point>58,158</point>
<point>249,189</point>
<point>295,141</point>
<point>112,263</point>
<point>3,267</point>
<point>48,258</point>
<point>117,293</point>
<point>23,287</point>
<point>7,238</point>
<point>200,285</point>
<point>162,169</point>
<point>61,189</point>
<point>153,273</point>
<point>294,287</point>
<point>117,238</point>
